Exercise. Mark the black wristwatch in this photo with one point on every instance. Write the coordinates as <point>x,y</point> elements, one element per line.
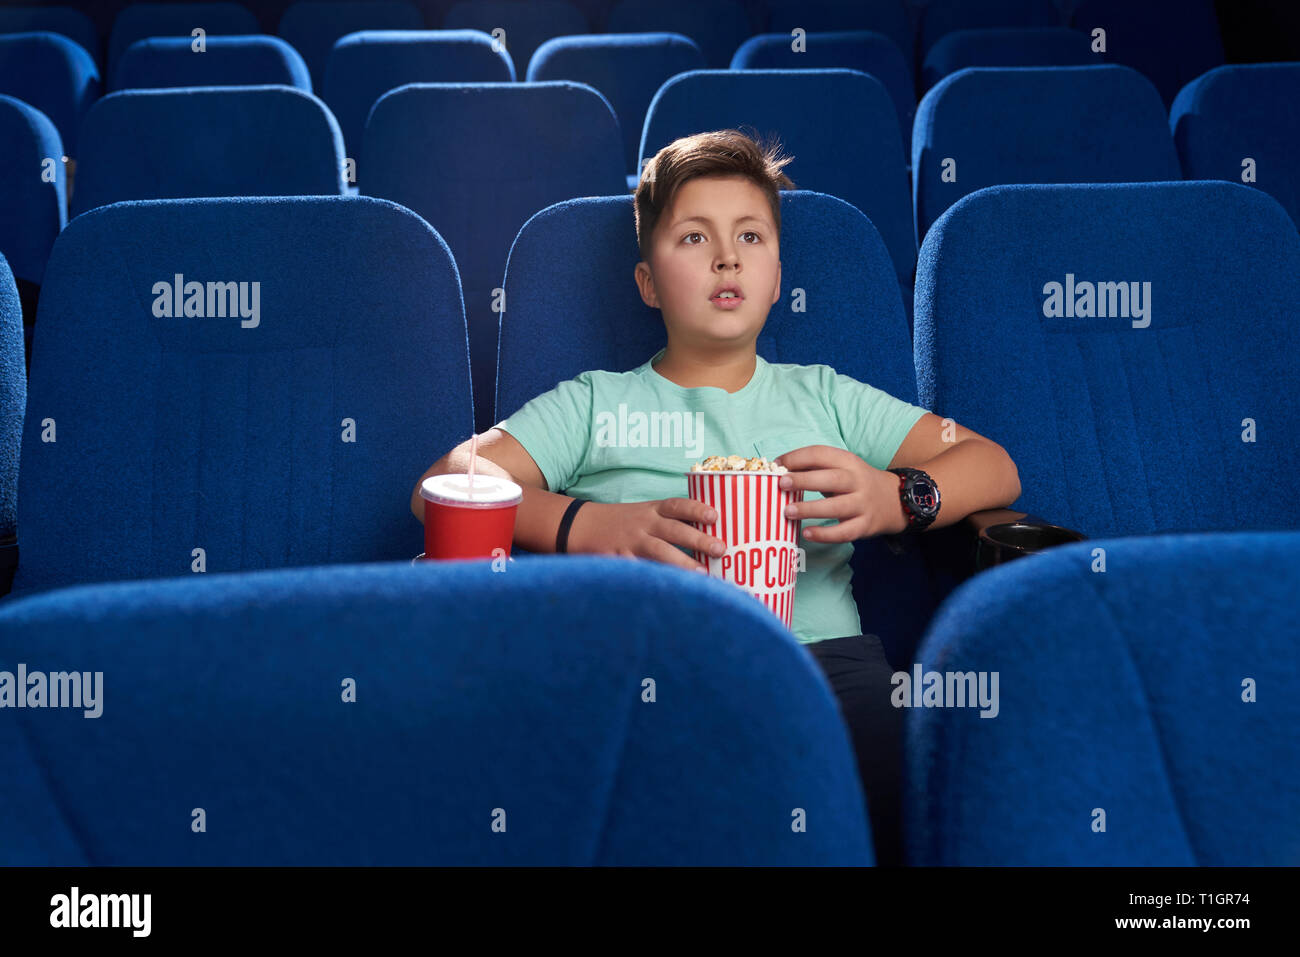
<point>920,498</point>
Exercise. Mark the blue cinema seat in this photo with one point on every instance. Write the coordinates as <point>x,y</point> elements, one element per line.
<point>718,27</point>
<point>1175,416</point>
<point>366,65</point>
<point>33,190</point>
<point>886,17</point>
<point>476,161</point>
<point>1171,42</point>
<point>1007,46</point>
<point>527,25</point>
<point>286,434</point>
<point>208,141</point>
<point>867,52</point>
<point>13,403</point>
<point>141,20</point>
<point>938,18</point>
<point>499,718</point>
<point>625,68</point>
<point>1243,112</point>
<point>163,62</point>
<point>314,26</point>
<point>565,315</point>
<point>840,126</point>
<point>65,21</point>
<point>53,74</point>
<point>986,126</point>
<point>1145,714</point>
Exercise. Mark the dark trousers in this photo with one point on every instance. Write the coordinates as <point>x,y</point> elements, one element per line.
<point>860,677</point>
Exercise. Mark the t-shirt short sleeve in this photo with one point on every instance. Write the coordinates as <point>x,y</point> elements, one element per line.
<point>873,423</point>
<point>555,429</point>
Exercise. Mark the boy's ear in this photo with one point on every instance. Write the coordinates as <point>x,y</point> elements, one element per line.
<point>645,282</point>
<point>776,293</point>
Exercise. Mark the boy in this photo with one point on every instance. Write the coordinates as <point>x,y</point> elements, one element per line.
<point>708,225</point>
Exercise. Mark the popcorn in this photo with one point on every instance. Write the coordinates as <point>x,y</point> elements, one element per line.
<point>738,463</point>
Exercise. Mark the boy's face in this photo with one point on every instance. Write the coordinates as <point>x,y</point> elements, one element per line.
<point>718,233</point>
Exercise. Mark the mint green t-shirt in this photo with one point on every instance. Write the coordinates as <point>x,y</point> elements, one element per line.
<point>618,437</point>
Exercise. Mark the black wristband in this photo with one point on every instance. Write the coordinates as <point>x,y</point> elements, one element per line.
<point>562,536</point>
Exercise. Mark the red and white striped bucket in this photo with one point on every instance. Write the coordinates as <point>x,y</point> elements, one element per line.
<point>762,554</point>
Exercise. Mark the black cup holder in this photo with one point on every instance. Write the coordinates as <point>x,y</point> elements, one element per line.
<point>999,544</point>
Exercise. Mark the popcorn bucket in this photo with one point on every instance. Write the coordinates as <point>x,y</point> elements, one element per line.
<point>762,544</point>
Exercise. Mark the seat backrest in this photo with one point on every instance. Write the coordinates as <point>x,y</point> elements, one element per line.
<point>871,53</point>
<point>53,74</point>
<point>162,62</point>
<point>288,432</point>
<point>1122,700</point>
<point>626,68</point>
<point>208,141</point>
<point>13,397</point>
<point>1171,42</point>
<point>1007,46</point>
<point>314,26</point>
<point>364,66</point>
<point>247,714</point>
<point>66,21</point>
<point>526,26</point>
<point>840,126</point>
<point>941,17</point>
<point>1238,123</point>
<point>476,161</point>
<point>887,17</point>
<point>718,27</point>
<point>141,20</point>
<point>1108,337</point>
<point>986,126</point>
<point>32,188</point>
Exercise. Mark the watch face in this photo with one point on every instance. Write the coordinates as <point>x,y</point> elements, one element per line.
<point>924,496</point>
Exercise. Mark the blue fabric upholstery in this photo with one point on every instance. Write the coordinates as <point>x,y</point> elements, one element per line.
<point>314,26</point>
<point>527,25</point>
<point>366,65</point>
<point>839,125</point>
<point>567,314</point>
<point>141,20</point>
<point>53,74</point>
<point>208,141</point>
<point>66,21</point>
<point>184,433</point>
<point>1119,430</point>
<point>1121,692</point>
<point>872,53</point>
<point>13,398</point>
<point>1171,42</point>
<point>514,697</point>
<point>161,62</point>
<point>717,26</point>
<point>476,161</point>
<point>1084,124</point>
<point>1008,46</point>
<point>626,68</point>
<point>887,17</point>
<point>941,17</point>
<point>31,210</point>
<point>1239,111</point>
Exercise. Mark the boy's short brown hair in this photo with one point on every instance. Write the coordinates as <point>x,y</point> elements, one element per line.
<point>720,153</point>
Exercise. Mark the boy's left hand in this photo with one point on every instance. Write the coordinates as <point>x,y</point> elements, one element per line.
<point>863,498</point>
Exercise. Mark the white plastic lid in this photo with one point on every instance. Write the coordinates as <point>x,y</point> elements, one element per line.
<point>489,491</point>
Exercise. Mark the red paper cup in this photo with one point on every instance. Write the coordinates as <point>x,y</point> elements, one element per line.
<point>762,544</point>
<point>465,522</point>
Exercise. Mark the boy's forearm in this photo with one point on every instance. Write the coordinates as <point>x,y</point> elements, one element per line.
<point>973,475</point>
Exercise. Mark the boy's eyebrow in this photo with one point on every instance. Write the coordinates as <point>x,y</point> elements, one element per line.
<point>709,222</point>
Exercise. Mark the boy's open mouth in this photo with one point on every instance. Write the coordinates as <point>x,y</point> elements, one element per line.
<point>727,296</point>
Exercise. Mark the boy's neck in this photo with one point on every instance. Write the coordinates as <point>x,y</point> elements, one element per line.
<point>731,372</point>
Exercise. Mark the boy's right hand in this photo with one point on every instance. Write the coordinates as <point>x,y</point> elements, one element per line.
<point>646,530</point>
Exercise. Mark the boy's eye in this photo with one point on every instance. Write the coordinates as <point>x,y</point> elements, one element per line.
<point>688,236</point>
<point>756,238</point>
